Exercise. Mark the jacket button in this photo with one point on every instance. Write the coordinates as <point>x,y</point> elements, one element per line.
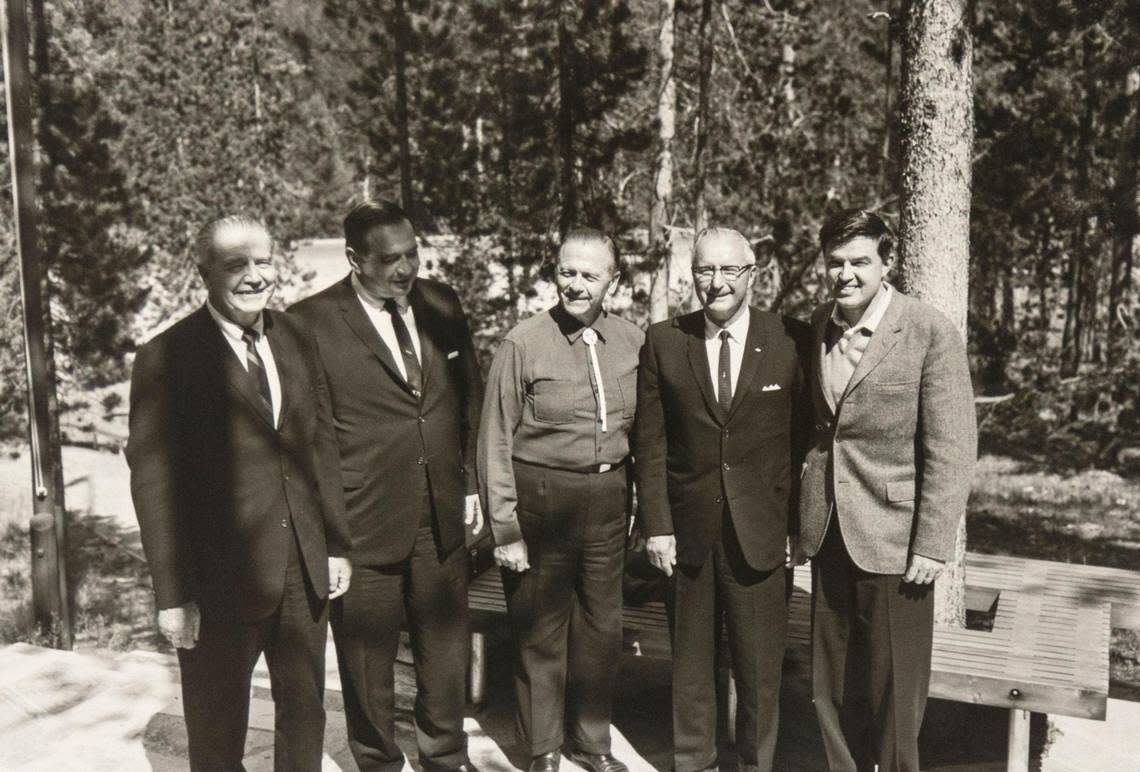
<point>720,499</point>
<point>420,461</point>
<point>724,434</point>
<point>726,466</point>
<point>284,523</point>
<point>421,419</point>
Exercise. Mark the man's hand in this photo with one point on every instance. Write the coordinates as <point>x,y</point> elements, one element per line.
<point>923,570</point>
<point>180,624</point>
<point>472,512</point>
<point>512,556</point>
<point>794,554</point>
<point>340,572</point>
<point>662,552</point>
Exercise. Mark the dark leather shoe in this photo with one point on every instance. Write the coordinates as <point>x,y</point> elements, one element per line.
<point>547,762</point>
<point>597,762</point>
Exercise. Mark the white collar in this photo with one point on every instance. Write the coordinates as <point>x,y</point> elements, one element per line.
<point>737,328</point>
<point>872,314</point>
<point>232,330</point>
<point>402,303</point>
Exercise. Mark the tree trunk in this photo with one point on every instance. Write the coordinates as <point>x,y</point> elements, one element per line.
<point>401,40</point>
<point>704,85</point>
<point>567,114</point>
<point>937,144</point>
<point>1126,221</point>
<point>1044,280</point>
<point>660,241</point>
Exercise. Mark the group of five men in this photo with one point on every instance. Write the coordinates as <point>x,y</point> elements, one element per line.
<point>269,449</point>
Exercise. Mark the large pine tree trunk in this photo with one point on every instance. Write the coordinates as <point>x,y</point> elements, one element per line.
<point>402,28</point>
<point>660,241</point>
<point>704,84</point>
<point>1126,219</point>
<point>937,143</point>
<point>567,112</point>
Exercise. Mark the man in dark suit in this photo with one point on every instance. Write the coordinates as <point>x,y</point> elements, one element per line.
<point>720,431</point>
<point>406,393</point>
<point>884,487</point>
<point>235,484</point>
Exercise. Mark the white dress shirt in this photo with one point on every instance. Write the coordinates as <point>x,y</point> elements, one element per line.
<point>232,333</point>
<point>382,321</point>
<point>737,336</point>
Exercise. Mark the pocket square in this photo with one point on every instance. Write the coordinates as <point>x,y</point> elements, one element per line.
<point>771,387</point>
<point>452,354</point>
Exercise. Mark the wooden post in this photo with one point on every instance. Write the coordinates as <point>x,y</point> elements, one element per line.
<point>1018,759</point>
<point>49,575</point>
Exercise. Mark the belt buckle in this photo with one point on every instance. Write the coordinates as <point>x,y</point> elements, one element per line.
<point>604,468</point>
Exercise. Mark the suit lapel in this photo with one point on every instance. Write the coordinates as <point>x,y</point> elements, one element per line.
<point>693,325</point>
<point>427,332</point>
<point>362,326</point>
<point>217,352</point>
<point>754,344</point>
<point>823,405</point>
<point>287,360</point>
<point>882,341</point>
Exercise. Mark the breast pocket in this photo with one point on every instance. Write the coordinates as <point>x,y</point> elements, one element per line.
<point>627,385</point>
<point>553,402</point>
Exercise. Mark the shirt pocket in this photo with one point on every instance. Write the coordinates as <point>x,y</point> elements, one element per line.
<point>553,402</point>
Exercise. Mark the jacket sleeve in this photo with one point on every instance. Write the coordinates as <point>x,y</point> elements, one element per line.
<point>338,539</point>
<point>948,438</point>
<point>650,447</point>
<point>154,455</point>
<point>802,425</point>
<point>472,393</point>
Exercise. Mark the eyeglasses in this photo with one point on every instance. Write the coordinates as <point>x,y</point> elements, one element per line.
<point>731,273</point>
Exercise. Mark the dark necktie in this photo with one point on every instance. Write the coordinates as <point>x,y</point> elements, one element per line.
<point>407,350</point>
<point>724,375</point>
<point>256,367</point>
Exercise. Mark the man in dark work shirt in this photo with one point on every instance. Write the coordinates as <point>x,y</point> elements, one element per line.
<point>552,452</point>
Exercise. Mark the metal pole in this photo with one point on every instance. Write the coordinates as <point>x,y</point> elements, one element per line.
<point>49,577</point>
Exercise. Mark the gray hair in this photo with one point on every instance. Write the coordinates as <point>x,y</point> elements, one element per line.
<point>207,236</point>
<point>713,232</point>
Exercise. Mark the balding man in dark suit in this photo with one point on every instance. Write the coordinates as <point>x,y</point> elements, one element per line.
<point>235,483</point>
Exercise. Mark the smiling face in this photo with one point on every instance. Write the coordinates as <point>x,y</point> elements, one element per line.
<point>586,273</point>
<point>855,272</point>
<point>239,273</point>
<point>387,265</point>
<point>722,273</point>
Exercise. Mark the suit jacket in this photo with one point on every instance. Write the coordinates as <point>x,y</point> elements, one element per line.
<point>690,457</point>
<point>385,434</point>
<point>896,458</point>
<point>213,481</point>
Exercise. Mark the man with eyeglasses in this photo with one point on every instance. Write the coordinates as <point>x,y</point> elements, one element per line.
<point>406,392</point>
<point>721,429</point>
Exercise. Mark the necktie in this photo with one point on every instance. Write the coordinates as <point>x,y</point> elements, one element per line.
<point>407,350</point>
<point>724,375</point>
<point>590,338</point>
<point>255,366</point>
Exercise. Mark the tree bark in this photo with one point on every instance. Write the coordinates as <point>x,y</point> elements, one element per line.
<point>400,41</point>
<point>567,114</point>
<point>1126,221</point>
<point>660,241</point>
<point>704,85</point>
<point>937,145</point>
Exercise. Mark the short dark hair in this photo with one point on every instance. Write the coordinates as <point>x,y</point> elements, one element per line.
<point>595,236</point>
<point>848,224</point>
<point>367,215</point>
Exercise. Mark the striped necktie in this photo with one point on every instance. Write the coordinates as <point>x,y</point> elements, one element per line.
<point>255,366</point>
<point>407,350</point>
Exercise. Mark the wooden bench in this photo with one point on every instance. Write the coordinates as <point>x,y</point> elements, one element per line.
<point>1047,650</point>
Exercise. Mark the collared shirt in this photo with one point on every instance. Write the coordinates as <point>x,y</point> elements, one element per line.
<point>382,321</point>
<point>232,333</point>
<point>542,405</point>
<point>737,335</point>
<point>844,345</point>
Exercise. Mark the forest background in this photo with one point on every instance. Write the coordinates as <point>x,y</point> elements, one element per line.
<point>501,123</point>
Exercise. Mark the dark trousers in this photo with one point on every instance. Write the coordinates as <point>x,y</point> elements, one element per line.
<point>216,677</point>
<point>723,592</point>
<point>565,611</point>
<point>366,629</point>
<point>871,641</point>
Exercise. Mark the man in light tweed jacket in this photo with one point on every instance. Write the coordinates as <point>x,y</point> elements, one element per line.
<point>884,487</point>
